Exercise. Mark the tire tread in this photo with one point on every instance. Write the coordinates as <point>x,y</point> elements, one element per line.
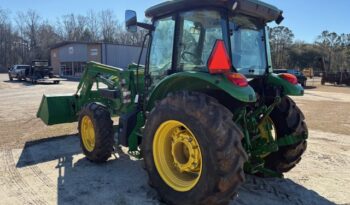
<point>228,154</point>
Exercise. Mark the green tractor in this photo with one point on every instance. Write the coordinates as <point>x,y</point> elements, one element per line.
<point>203,111</point>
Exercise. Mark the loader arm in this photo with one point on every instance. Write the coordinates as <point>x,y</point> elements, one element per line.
<point>113,87</point>
<point>93,73</point>
<point>120,86</point>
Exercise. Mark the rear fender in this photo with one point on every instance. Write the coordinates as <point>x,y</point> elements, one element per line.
<point>199,81</point>
<point>288,88</point>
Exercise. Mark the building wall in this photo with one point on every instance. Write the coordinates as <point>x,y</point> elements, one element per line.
<point>121,56</point>
<point>94,52</point>
<point>55,61</point>
<point>73,53</point>
<point>70,60</point>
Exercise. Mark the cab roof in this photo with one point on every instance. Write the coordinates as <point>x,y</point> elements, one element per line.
<point>254,8</point>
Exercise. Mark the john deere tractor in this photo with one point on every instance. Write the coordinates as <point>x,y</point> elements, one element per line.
<point>204,109</point>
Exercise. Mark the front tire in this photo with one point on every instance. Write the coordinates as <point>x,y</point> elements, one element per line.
<point>96,132</point>
<point>198,125</point>
<point>288,120</point>
<point>11,79</point>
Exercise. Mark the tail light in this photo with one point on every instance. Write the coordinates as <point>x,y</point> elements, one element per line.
<point>219,60</point>
<point>289,77</point>
<point>237,79</point>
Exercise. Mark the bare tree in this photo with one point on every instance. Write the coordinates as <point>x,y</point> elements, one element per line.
<point>330,41</point>
<point>73,27</point>
<point>8,38</point>
<point>108,25</point>
<point>48,38</point>
<point>29,26</point>
<point>281,38</point>
<point>92,25</point>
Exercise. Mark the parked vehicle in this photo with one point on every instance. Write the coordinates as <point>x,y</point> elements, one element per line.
<point>308,72</point>
<point>300,76</point>
<point>41,72</point>
<point>18,72</point>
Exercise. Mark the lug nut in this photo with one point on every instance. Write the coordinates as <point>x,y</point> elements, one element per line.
<point>194,165</point>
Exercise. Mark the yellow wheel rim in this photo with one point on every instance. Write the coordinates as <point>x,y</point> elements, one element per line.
<point>177,156</point>
<point>87,133</point>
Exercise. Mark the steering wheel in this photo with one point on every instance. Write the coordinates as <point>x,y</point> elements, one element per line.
<point>191,57</point>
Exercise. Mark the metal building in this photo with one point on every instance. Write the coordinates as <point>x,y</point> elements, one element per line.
<point>69,59</point>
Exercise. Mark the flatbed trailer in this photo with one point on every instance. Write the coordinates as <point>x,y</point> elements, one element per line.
<point>338,78</point>
<point>54,80</point>
<point>41,72</point>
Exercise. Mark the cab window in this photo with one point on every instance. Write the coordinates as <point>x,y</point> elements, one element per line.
<point>199,31</point>
<point>162,48</point>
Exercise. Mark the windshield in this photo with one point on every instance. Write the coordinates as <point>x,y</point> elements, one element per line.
<point>247,45</point>
<point>23,67</point>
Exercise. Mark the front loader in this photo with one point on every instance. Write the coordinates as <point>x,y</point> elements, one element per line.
<point>203,111</point>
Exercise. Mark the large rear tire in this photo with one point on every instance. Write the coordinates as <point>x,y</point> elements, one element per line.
<point>96,132</point>
<point>193,129</point>
<point>288,120</point>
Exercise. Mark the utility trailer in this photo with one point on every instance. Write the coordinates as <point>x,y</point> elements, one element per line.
<point>336,78</point>
<point>41,72</point>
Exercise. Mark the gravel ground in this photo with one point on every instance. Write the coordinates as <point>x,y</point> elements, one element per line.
<point>44,165</point>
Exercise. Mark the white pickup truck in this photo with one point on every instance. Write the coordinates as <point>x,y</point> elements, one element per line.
<point>19,72</point>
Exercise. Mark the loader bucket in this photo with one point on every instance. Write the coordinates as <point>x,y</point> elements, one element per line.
<point>57,109</point>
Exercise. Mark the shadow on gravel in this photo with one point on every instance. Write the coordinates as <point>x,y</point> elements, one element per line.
<point>310,87</point>
<point>275,191</point>
<point>26,83</point>
<point>79,181</point>
<point>123,181</point>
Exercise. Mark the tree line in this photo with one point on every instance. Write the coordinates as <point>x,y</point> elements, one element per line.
<point>26,36</point>
<point>329,47</point>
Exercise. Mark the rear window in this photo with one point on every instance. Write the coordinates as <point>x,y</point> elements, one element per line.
<point>23,67</point>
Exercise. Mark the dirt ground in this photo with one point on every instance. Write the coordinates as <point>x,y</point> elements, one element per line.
<point>44,165</point>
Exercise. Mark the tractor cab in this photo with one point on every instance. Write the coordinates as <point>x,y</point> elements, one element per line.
<point>193,35</point>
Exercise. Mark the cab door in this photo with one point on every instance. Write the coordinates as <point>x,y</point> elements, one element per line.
<point>161,51</point>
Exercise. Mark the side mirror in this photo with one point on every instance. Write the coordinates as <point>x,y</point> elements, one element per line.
<point>279,19</point>
<point>131,21</point>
